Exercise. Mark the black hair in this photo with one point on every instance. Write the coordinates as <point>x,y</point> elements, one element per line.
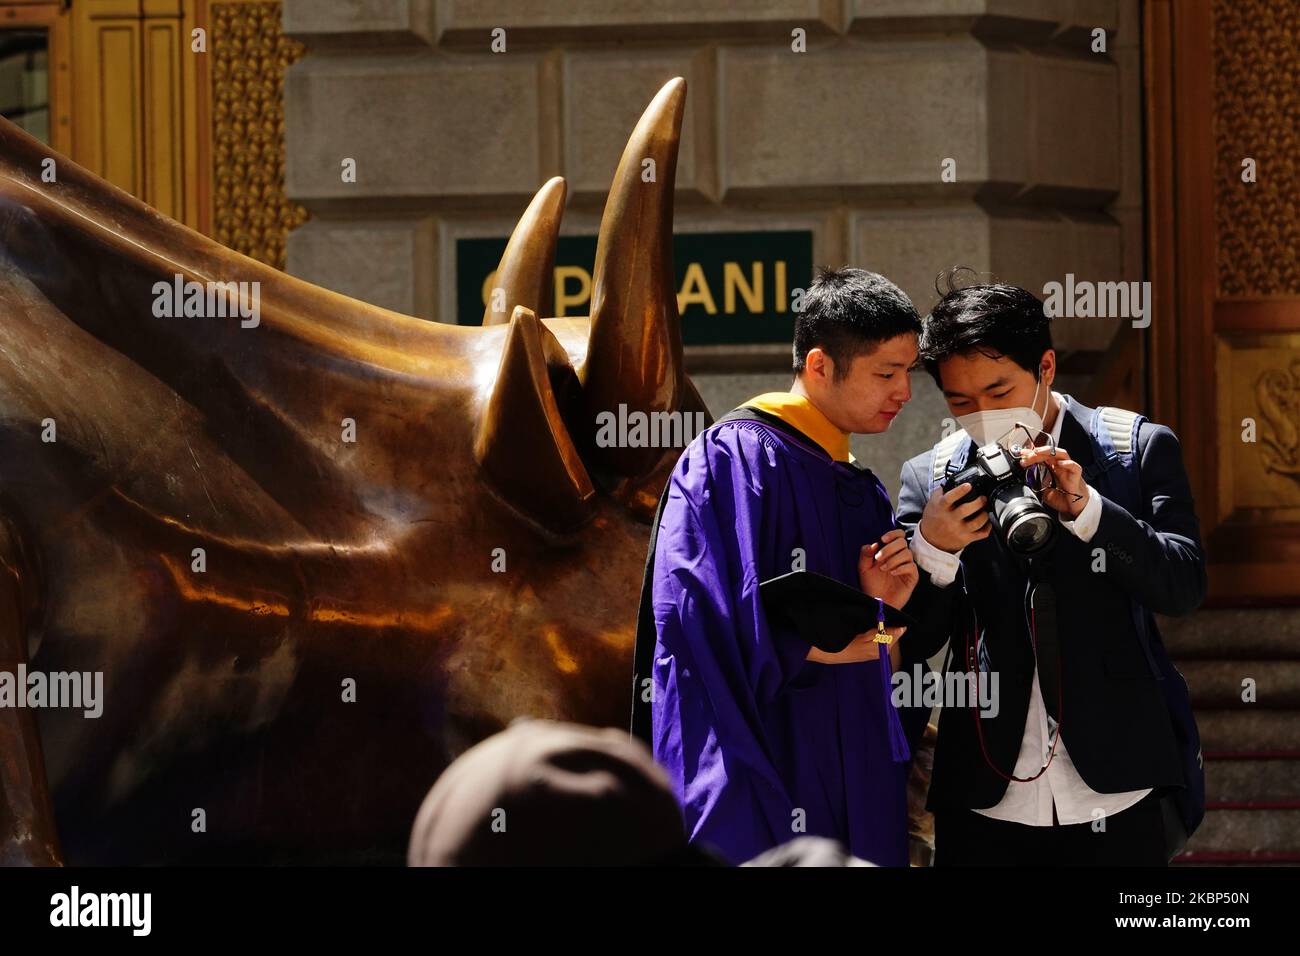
<point>848,312</point>
<point>993,319</point>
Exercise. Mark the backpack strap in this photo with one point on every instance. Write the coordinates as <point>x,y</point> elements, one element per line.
<point>1115,441</point>
<point>746,413</point>
<point>1122,425</point>
<point>643,646</point>
<point>944,453</point>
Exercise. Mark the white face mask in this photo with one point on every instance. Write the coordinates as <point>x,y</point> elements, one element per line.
<point>997,423</point>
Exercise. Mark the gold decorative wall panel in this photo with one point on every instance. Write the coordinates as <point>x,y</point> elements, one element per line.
<point>1259,421</point>
<point>1257,116</point>
<point>250,212</point>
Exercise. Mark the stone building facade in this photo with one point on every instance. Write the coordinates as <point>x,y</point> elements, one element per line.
<point>1031,108</point>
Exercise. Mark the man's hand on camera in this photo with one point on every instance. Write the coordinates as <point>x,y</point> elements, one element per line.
<point>950,526</point>
<point>1071,492</point>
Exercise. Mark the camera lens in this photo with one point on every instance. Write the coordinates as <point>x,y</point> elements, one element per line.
<point>1026,525</point>
<point>1029,533</point>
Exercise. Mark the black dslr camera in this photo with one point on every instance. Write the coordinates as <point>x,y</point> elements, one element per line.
<point>1025,523</point>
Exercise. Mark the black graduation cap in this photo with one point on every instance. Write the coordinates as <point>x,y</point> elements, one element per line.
<point>826,613</point>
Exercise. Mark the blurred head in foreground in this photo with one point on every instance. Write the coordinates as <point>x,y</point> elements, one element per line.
<point>543,793</point>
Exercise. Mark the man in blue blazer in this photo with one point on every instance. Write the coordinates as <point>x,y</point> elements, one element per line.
<point>1085,758</point>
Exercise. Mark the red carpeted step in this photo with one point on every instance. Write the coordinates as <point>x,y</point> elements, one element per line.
<point>1250,832</point>
<point>1238,859</point>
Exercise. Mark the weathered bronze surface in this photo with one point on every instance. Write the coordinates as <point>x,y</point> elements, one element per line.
<point>326,560</point>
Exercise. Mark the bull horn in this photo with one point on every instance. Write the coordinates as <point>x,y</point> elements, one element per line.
<point>634,353</point>
<point>527,266</point>
<point>522,444</point>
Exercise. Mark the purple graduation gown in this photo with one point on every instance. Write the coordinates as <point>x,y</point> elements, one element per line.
<point>750,731</point>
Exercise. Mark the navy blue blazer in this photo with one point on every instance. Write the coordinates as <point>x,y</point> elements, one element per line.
<point>1114,720</point>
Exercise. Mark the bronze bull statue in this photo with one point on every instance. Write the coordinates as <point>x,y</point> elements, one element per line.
<point>316,555</point>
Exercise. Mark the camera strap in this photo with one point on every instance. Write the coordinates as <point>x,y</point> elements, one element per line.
<point>972,666</point>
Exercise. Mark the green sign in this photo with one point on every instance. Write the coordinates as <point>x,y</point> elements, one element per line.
<point>732,287</point>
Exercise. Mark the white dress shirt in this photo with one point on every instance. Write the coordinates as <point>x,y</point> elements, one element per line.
<point>1061,786</point>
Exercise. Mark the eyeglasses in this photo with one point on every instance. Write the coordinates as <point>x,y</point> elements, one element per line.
<point>1039,477</point>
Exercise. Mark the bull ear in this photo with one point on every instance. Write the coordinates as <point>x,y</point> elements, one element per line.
<point>525,272</point>
<point>522,444</point>
<point>634,354</point>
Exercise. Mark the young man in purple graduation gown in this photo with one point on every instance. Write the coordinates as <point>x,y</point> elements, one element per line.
<point>764,736</point>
